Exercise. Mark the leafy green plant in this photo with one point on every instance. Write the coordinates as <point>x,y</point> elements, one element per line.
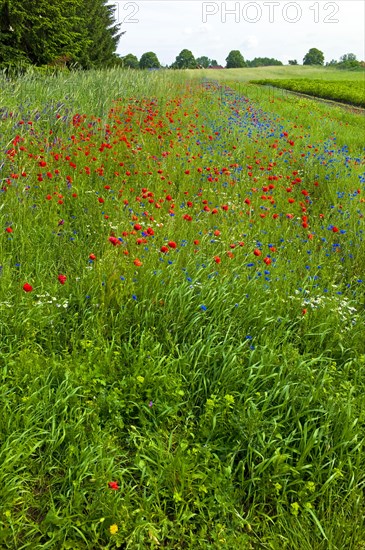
<point>352,92</point>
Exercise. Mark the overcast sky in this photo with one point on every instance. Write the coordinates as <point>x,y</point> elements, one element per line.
<point>263,28</point>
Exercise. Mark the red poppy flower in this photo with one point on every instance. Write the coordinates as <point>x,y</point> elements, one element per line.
<point>217,259</point>
<point>92,257</point>
<point>62,279</point>
<point>114,241</point>
<point>257,252</point>
<point>9,230</point>
<point>27,287</point>
<point>172,244</point>
<point>164,249</point>
<point>113,485</point>
<point>137,262</point>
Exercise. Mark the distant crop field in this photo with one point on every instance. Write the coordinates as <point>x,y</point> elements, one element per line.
<point>280,72</point>
<point>344,91</point>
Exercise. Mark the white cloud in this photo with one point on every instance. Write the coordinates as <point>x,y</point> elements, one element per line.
<point>250,43</point>
<point>205,28</point>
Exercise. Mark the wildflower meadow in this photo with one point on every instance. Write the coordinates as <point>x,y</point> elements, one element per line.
<point>182,307</point>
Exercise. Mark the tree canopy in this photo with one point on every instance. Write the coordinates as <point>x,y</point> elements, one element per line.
<point>130,61</point>
<point>149,60</point>
<point>235,60</point>
<point>347,57</point>
<point>83,32</point>
<point>263,62</point>
<point>185,60</point>
<point>348,61</point>
<point>98,24</point>
<point>313,57</point>
<point>205,62</point>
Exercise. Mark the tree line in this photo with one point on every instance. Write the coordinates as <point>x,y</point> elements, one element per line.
<point>85,34</point>
<point>186,60</point>
<point>235,60</point>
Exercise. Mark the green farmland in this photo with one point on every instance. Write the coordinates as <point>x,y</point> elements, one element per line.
<point>343,91</point>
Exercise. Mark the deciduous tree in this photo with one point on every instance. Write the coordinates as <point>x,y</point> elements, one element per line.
<point>185,60</point>
<point>263,62</point>
<point>130,61</point>
<point>149,60</point>
<point>205,62</point>
<point>348,61</point>
<point>235,60</point>
<point>313,57</point>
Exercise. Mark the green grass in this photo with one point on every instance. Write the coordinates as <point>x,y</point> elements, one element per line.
<point>219,384</point>
<point>280,72</point>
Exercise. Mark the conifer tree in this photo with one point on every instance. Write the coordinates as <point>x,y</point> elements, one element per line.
<point>102,33</point>
<point>40,32</point>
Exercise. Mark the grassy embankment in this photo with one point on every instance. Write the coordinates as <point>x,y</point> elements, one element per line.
<point>204,350</point>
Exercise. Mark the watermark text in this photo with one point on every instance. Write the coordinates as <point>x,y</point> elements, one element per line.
<point>252,12</point>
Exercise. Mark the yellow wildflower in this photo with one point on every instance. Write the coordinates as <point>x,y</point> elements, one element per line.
<point>113,529</point>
